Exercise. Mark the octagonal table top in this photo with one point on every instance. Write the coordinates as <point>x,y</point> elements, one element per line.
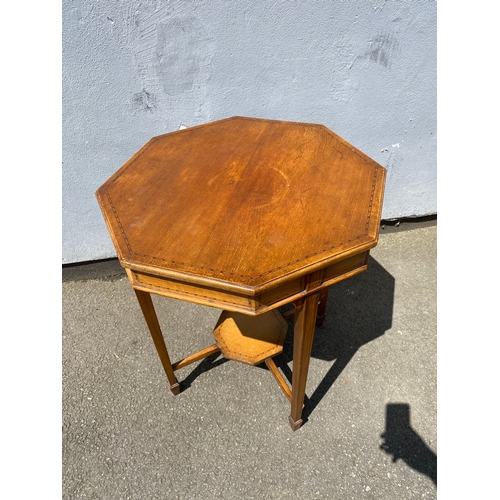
<point>243,202</point>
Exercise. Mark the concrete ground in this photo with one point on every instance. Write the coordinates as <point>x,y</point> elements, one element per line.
<point>371,402</point>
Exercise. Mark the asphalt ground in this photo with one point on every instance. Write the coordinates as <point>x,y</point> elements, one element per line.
<point>371,397</point>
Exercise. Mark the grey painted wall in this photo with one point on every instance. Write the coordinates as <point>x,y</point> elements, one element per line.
<point>135,69</point>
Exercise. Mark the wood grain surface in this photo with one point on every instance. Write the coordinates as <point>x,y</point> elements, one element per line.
<point>243,203</point>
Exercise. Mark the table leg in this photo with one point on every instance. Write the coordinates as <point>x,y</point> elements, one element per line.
<point>149,312</point>
<point>305,322</point>
<point>323,298</point>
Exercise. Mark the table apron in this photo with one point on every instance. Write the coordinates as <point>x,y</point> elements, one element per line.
<point>253,305</point>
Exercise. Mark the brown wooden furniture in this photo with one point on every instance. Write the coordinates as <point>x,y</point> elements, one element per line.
<point>245,215</point>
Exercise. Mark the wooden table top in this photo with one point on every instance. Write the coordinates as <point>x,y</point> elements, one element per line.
<point>243,203</point>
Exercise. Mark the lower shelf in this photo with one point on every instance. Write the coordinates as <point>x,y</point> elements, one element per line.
<point>250,339</point>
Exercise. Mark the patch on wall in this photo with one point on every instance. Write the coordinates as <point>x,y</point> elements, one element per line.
<point>144,101</point>
<point>382,50</point>
<point>173,52</point>
<point>183,55</point>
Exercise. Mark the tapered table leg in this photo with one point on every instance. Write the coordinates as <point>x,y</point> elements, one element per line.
<point>303,334</point>
<point>149,312</point>
<point>323,298</point>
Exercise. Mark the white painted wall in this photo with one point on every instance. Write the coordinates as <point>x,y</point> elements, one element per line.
<point>135,69</point>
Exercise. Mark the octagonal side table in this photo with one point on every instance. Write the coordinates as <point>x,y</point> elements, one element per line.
<point>245,215</point>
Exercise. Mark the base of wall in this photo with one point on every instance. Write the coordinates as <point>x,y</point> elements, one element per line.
<point>407,223</point>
